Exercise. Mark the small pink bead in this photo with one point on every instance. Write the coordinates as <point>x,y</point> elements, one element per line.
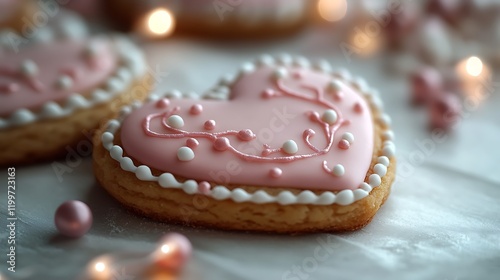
<point>246,135</point>
<point>268,93</point>
<point>209,125</point>
<point>192,143</point>
<point>9,88</point>
<point>338,96</point>
<point>344,144</point>
<point>72,72</point>
<point>358,108</point>
<point>399,26</point>
<point>314,116</point>
<point>73,218</point>
<point>298,74</point>
<point>275,172</point>
<point>445,111</point>
<point>196,109</point>
<point>266,152</point>
<point>162,103</point>
<point>221,144</point>
<point>449,10</point>
<point>426,84</point>
<point>179,252</point>
<point>204,187</point>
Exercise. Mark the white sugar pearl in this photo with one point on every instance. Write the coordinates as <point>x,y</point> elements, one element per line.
<point>388,135</point>
<point>380,169</point>
<point>335,85</point>
<point>374,180</point>
<point>247,68</point>
<point>185,154</point>
<point>290,147</point>
<point>338,170</point>
<point>329,116</point>
<point>349,137</point>
<point>384,160</point>
<point>29,68</point>
<point>175,121</point>
<point>64,82</point>
<point>389,151</point>
<point>280,73</point>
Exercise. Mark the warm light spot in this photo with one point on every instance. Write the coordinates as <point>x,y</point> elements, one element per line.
<point>165,249</point>
<point>332,10</point>
<point>474,66</point>
<point>160,21</point>
<point>100,266</point>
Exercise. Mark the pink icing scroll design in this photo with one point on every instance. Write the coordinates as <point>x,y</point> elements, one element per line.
<point>222,143</point>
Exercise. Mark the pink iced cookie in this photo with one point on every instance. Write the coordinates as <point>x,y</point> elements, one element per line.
<point>52,94</point>
<point>282,140</point>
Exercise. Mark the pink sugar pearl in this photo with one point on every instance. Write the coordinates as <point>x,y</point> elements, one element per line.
<point>73,218</point>
<point>221,144</point>
<point>426,84</point>
<point>173,252</point>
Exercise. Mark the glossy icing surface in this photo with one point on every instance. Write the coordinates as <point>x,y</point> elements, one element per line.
<point>280,127</point>
<point>52,72</point>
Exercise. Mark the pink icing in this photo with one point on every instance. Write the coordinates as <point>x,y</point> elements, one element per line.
<point>247,143</point>
<point>53,61</point>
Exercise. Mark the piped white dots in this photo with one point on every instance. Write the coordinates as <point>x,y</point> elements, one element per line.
<point>349,137</point>
<point>380,169</point>
<point>329,116</point>
<point>290,147</point>
<point>175,121</point>
<point>280,73</point>
<point>374,180</point>
<point>335,85</point>
<point>247,68</point>
<point>185,154</point>
<point>29,68</point>
<point>338,170</point>
<point>384,160</point>
<point>64,82</point>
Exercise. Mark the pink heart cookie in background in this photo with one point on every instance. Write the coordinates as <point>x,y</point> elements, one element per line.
<point>52,94</point>
<point>285,147</point>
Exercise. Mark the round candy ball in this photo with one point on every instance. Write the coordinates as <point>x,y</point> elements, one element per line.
<point>173,252</point>
<point>73,218</point>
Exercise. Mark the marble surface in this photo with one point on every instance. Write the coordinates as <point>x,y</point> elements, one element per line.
<point>442,220</point>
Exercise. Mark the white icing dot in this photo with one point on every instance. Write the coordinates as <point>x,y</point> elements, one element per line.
<point>380,169</point>
<point>366,187</point>
<point>323,66</point>
<point>385,119</point>
<point>338,170</point>
<point>344,74</point>
<point>285,59</point>
<point>384,160</point>
<point>266,59</point>
<point>335,85</point>
<point>290,147</point>
<point>175,121</point>
<point>374,180</point>
<point>29,68</point>
<point>345,197</point>
<point>247,68</point>
<point>389,151</point>
<point>302,62</point>
<point>64,82</point>
<point>388,135</point>
<point>349,137</point>
<point>360,84</point>
<point>91,50</point>
<point>329,116</point>
<point>185,154</point>
<point>280,73</point>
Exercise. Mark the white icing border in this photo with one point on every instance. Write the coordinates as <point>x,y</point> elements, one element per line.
<point>344,197</point>
<point>131,66</point>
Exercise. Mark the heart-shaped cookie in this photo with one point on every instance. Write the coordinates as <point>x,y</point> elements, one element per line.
<point>285,136</point>
<point>51,92</point>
